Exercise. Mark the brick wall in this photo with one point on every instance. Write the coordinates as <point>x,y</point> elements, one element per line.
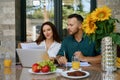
<point>7,27</point>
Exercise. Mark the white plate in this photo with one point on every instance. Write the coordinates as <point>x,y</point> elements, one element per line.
<point>71,69</point>
<point>64,74</point>
<point>30,71</point>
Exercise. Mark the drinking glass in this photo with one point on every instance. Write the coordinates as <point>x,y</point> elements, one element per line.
<point>75,63</point>
<point>7,60</point>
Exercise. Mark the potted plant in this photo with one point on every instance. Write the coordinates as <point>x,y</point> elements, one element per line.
<point>100,27</point>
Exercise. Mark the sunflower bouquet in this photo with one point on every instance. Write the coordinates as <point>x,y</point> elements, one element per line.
<point>99,24</point>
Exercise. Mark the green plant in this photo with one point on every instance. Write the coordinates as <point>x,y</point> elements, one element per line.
<point>99,24</point>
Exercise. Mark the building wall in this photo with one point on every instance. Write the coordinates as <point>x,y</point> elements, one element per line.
<point>7,27</point>
<point>114,5</point>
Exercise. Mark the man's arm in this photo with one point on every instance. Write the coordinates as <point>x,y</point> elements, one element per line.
<point>61,58</point>
<point>94,59</point>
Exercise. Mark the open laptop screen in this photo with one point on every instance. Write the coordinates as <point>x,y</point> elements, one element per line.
<point>29,56</point>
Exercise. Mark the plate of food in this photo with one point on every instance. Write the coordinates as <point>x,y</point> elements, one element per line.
<point>45,67</point>
<point>75,74</point>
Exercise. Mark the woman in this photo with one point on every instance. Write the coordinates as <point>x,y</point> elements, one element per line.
<point>49,38</point>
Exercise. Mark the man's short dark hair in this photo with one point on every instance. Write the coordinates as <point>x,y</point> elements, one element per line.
<point>77,16</point>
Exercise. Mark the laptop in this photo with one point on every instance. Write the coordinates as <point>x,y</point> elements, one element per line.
<point>30,56</point>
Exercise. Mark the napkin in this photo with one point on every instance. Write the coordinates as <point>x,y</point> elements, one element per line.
<point>58,70</point>
<point>81,64</point>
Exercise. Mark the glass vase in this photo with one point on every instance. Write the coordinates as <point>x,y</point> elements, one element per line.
<point>108,54</point>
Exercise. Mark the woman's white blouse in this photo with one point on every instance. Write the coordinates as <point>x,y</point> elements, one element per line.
<point>54,48</point>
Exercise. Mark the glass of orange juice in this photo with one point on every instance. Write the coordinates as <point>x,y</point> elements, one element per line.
<point>7,60</point>
<point>75,63</point>
<point>7,63</point>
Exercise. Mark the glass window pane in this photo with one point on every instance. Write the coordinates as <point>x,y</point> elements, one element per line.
<point>81,7</point>
<point>37,12</point>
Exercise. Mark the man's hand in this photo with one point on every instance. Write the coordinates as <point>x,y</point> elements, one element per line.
<point>80,55</point>
<point>62,60</point>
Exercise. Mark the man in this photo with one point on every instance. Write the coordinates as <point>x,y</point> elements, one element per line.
<point>76,44</point>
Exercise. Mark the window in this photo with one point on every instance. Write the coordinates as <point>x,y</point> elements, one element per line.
<point>35,12</point>
<point>81,7</point>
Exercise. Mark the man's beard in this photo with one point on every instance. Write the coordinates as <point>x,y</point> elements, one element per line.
<point>74,32</point>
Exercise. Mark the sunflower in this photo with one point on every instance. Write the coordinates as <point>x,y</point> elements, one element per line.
<point>99,24</point>
<point>101,14</point>
<point>89,25</point>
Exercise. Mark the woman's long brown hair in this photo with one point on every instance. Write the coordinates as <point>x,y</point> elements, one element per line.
<point>54,30</point>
